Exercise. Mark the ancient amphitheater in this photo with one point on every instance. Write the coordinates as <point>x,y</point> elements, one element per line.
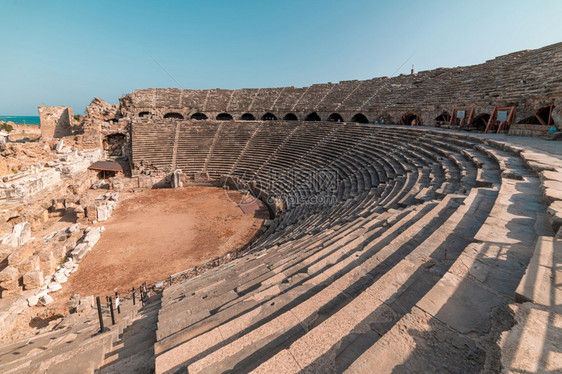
<point>389,248</point>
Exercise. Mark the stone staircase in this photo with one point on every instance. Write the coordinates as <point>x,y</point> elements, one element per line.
<point>74,345</point>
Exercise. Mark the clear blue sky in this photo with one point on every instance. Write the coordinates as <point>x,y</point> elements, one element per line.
<point>66,52</point>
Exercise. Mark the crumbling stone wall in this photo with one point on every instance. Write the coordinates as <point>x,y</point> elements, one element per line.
<point>56,121</point>
<point>100,117</point>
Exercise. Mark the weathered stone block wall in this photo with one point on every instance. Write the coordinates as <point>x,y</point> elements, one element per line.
<point>56,121</point>
<point>527,79</point>
<point>520,129</point>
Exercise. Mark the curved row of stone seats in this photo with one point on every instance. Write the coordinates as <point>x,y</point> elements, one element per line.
<point>183,334</point>
<point>260,148</point>
<point>342,167</point>
<point>230,144</point>
<point>264,99</point>
<point>193,145</point>
<point>153,144</point>
<point>312,96</point>
<point>407,185</point>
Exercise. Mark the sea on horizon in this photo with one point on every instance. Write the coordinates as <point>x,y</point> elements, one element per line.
<point>23,120</point>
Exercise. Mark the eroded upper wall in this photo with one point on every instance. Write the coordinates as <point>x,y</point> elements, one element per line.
<point>526,79</point>
<point>56,121</point>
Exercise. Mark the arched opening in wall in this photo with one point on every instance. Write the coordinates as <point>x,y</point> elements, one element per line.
<point>199,116</point>
<point>248,117</point>
<point>114,144</point>
<point>543,116</point>
<point>290,117</point>
<point>224,117</point>
<point>173,115</point>
<point>269,117</point>
<point>335,117</point>
<point>313,117</point>
<point>411,119</point>
<point>360,118</point>
<point>481,121</point>
<point>144,114</point>
<point>443,119</point>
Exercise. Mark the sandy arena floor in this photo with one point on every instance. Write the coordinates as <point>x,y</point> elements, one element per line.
<point>156,233</point>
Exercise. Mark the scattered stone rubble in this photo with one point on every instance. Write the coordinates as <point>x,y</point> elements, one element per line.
<point>35,267</point>
<point>46,269</point>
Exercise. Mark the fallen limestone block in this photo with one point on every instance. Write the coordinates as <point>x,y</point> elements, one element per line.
<point>72,229</point>
<point>45,300</point>
<point>59,146</point>
<point>21,233</point>
<point>99,184</point>
<point>9,281</point>
<point>93,234</point>
<point>80,251</point>
<point>33,279</point>
<point>79,211</point>
<point>32,300</point>
<point>103,213</point>
<point>54,287</point>
<point>48,262</point>
<point>30,185</point>
<point>59,277</point>
<point>4,253</point>
<point>31,264</point>
<point>9,274</point>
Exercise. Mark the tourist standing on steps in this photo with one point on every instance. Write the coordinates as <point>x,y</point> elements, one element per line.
<point>144,294</point>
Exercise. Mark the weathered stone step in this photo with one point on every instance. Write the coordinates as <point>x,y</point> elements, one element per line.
<point>389,297</point>
<point>346,287</point>
<point>542,282</point>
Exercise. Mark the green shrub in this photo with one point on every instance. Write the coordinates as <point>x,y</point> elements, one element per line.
<point>6,127</point>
